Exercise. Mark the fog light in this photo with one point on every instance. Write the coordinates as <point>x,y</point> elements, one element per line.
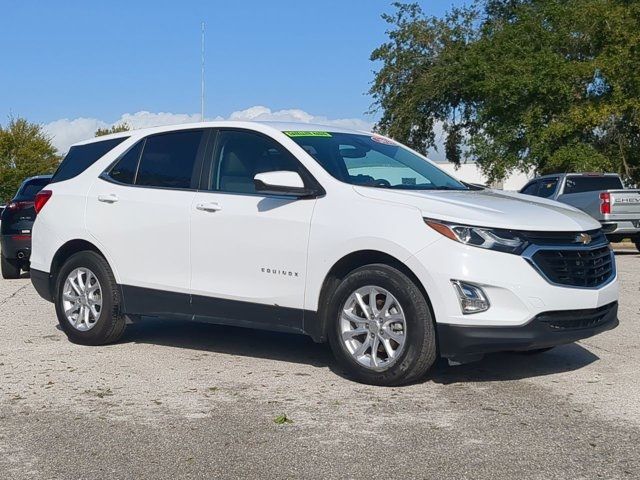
<point>472,298</point>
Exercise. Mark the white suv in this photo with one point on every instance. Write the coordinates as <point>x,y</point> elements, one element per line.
<point>346,236</point>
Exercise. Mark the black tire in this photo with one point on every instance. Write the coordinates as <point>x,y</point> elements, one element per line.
<point>10,268</point>
<point>637,243</point>
<point>111,322</point>
<point>419,352</point>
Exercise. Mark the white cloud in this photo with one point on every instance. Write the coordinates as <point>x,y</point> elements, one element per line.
<point>65,132</point>
<point>264,114</point>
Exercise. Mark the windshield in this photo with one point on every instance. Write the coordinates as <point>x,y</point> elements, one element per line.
<point>373,161</point>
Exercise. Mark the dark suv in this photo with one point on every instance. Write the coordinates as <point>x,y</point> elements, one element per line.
<point>15,228</point>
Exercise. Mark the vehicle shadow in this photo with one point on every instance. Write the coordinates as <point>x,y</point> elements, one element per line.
<point>237,341</point>
<point>301,349</point>
<point>516,366</point>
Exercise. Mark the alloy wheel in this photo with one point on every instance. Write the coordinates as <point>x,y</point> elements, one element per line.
<point>373,327</point>
<point>82,299</point>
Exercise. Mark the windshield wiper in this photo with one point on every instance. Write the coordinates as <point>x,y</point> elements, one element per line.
<point>446,187</point>
<point>425,187</point>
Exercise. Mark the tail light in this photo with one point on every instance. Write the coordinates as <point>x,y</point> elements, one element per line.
<point>13,206</point>
<point>605,203</point>
<point>42,197</point>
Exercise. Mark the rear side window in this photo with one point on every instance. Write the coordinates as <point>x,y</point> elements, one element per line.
<point>168,160</point>
<point>82,157</point>
<point>125,170</point>
<point>591,184</point>
<point>28,190</point>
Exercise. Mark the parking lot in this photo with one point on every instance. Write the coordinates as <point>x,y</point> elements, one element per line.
<point>200,401</point>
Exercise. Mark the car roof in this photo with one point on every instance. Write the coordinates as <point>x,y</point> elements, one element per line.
<point>277,126</point>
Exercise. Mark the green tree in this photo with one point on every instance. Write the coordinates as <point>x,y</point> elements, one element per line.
<point>25,150</point>
<point>549,85</point>
<point>120,127</point>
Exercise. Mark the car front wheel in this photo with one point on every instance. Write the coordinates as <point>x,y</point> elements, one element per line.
<point>381,329</point>
<point>87,300</point>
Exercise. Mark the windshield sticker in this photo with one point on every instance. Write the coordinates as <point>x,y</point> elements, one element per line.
<point>295,134</point>
<point>385,141</point>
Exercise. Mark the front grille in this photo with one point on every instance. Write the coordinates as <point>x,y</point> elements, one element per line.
<point>577,319</point>
<point>576,268</point>
<point>561,238</point>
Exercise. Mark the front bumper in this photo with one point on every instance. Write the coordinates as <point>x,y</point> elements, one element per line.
<point>547,329</point>
<point>516,290</point>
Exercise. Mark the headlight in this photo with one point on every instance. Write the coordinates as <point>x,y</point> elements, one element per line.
<point>490,238</point>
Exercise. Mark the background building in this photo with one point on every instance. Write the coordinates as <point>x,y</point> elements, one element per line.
<point>471,173</point>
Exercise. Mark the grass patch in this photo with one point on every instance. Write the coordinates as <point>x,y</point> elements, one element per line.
<point>282,419</point>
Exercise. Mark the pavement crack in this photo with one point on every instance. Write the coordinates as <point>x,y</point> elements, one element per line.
<point>5,300</point>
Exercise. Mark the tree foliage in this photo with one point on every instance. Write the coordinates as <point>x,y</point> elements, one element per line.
<point>550,85</point>
<point>120,127</point>
<point>25,151</point>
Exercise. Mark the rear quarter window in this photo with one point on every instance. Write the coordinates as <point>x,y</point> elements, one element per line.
<point>82,157</point>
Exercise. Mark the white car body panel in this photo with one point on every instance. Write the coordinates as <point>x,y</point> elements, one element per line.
<point>490,208</point>
<point>152,250</point>
<point>253,249</point>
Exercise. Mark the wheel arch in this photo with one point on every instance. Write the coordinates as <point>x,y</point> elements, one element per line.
<point>317,327</point>
<point>67,250</point>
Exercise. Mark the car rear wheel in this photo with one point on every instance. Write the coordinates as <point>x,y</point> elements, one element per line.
<point>381,329</point>
<point>87,300</point>
<point>10,268</point>
<point>637,243</point>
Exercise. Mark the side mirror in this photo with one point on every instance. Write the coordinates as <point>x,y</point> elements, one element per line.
<point>281,183</point>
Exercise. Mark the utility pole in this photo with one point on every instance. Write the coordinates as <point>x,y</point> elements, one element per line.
<point>202,76</point>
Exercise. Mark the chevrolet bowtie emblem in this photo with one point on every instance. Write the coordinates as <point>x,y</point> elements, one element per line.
<point>583,238</point>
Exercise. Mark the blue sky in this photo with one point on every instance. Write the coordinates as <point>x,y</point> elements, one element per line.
<point>102,60</point>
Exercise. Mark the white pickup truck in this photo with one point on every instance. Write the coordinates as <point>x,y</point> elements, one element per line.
<point>602,196</point>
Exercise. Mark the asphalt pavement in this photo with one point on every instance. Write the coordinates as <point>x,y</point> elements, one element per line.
<point>187,400</point>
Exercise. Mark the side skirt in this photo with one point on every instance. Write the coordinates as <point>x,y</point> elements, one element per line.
<point>220,311</point>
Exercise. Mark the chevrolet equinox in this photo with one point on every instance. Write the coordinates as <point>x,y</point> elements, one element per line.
<point>346,236</point>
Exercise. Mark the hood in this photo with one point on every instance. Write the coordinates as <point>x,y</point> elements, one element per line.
<point>489,208</point>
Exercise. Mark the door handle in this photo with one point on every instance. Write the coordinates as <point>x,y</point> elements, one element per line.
<point>111,198</point>
<point>209,207</point>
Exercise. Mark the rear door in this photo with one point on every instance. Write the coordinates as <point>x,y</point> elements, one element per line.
<point>139,212</point>
<point>249,250</point>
